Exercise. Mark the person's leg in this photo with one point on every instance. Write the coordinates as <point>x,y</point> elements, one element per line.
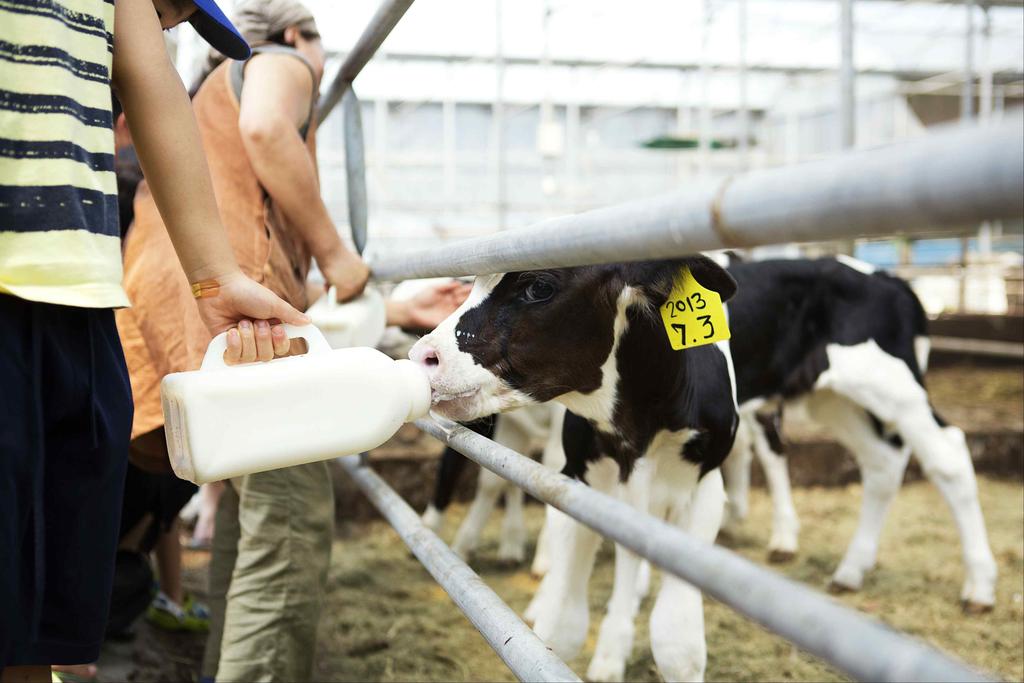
<point>168,563</point>
<point>223,554</point>
<point>77,672</point>
<point>209,498</point>
<point>25,674</point>
<point>286,520</point>
<point>87,424</point>
<point>21,446</point>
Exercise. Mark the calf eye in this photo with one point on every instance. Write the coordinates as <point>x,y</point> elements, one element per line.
<point>538,290</point>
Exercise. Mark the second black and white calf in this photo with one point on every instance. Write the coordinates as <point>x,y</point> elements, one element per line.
<point>848,346</point>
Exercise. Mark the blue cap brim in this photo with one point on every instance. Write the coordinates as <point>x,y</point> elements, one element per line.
<point>218,31</point>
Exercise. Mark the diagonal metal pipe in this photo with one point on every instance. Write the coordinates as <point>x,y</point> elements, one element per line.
<point>513,641</point>
<point>383,21</point>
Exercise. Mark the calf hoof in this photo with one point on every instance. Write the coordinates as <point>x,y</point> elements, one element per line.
<point>563,629</point>
<point>433,519</point>
<point>731,527</point>
<point>846,579</point>
<point>606,670</point>
<point>727,538</point>
<point>836,588</point>
<point>463,550</point>
<point>781,556</point>
<point>511,554</point>
<point>972,608</point>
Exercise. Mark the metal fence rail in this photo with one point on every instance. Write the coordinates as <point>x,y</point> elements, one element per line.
<point>865,649</point>
<point>518,646</point>
<point>942,181</point>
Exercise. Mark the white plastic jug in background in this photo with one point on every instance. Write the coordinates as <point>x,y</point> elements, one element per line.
<point>359,322</point>
<point>224,421</point>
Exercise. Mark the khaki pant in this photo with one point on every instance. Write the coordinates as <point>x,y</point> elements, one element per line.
<point>268,573</point>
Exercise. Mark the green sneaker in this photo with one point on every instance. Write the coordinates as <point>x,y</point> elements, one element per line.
<point>166,614</point>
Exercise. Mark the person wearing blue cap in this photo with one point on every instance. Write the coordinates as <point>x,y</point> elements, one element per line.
<point>65,402</point>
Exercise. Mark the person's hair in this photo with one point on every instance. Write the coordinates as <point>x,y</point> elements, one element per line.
<point>261,22</point>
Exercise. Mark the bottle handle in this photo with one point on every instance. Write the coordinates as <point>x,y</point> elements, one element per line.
<point>214,358</point>
<point>332,297</point>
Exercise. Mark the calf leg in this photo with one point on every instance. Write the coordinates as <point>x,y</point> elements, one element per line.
<point>449,470</point>
<point>736,472</point>
<point>555,529</point>
<point>615,638</point>
<point>512,434</point>
<point>513,528</point>
<point>886,387</point>
<point>677,620</point>
<point>553,458</point>
<point>881,465</point>
<point>489,487</point>
<point>562,616</point>
<point>782,545</point>
<point>946,461</point>
<point>542,556</point>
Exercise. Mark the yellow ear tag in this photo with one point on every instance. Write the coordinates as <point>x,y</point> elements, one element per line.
<point>693,315</point>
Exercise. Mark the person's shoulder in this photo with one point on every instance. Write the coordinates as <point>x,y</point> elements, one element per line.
<point>278,65</point>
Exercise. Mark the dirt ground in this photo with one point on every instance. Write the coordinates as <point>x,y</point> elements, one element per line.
<point>385,619</point>
<point>977,397</point>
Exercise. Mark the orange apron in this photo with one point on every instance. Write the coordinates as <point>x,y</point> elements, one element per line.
<point>163,332</point>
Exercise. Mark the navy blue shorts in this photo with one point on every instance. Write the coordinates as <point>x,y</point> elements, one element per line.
<point>65,421</point>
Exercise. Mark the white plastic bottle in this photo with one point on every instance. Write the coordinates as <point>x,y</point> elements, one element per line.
<point>225,421</point>
<point>359,322</point>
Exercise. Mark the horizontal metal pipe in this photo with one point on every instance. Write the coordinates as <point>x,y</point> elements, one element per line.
<point>518,646</point>
<point>384,20</point>
<point>863,648</point>
<point>942,181</point>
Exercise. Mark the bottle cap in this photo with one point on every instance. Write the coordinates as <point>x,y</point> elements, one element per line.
<point>417,386</point>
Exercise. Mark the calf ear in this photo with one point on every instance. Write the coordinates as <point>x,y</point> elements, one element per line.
<point>712,276</point>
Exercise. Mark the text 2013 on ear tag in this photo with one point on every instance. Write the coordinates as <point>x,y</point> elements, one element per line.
<point>693,315</point>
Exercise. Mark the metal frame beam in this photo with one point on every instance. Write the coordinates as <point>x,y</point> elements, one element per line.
<point>1001,76</point>
<point>942,181</point>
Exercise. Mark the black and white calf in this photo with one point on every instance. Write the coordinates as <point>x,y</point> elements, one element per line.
<point>848,346</point>
<point>592,338</point>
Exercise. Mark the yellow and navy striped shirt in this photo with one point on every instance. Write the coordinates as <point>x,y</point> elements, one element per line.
<point>59,235</point>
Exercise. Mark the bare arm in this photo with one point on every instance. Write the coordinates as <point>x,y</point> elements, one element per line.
<point>274,104</point>
<point>428,308</point>
<point>167,141</point>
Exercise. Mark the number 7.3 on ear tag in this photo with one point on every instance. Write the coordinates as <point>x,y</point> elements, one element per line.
<point>693,315</point>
